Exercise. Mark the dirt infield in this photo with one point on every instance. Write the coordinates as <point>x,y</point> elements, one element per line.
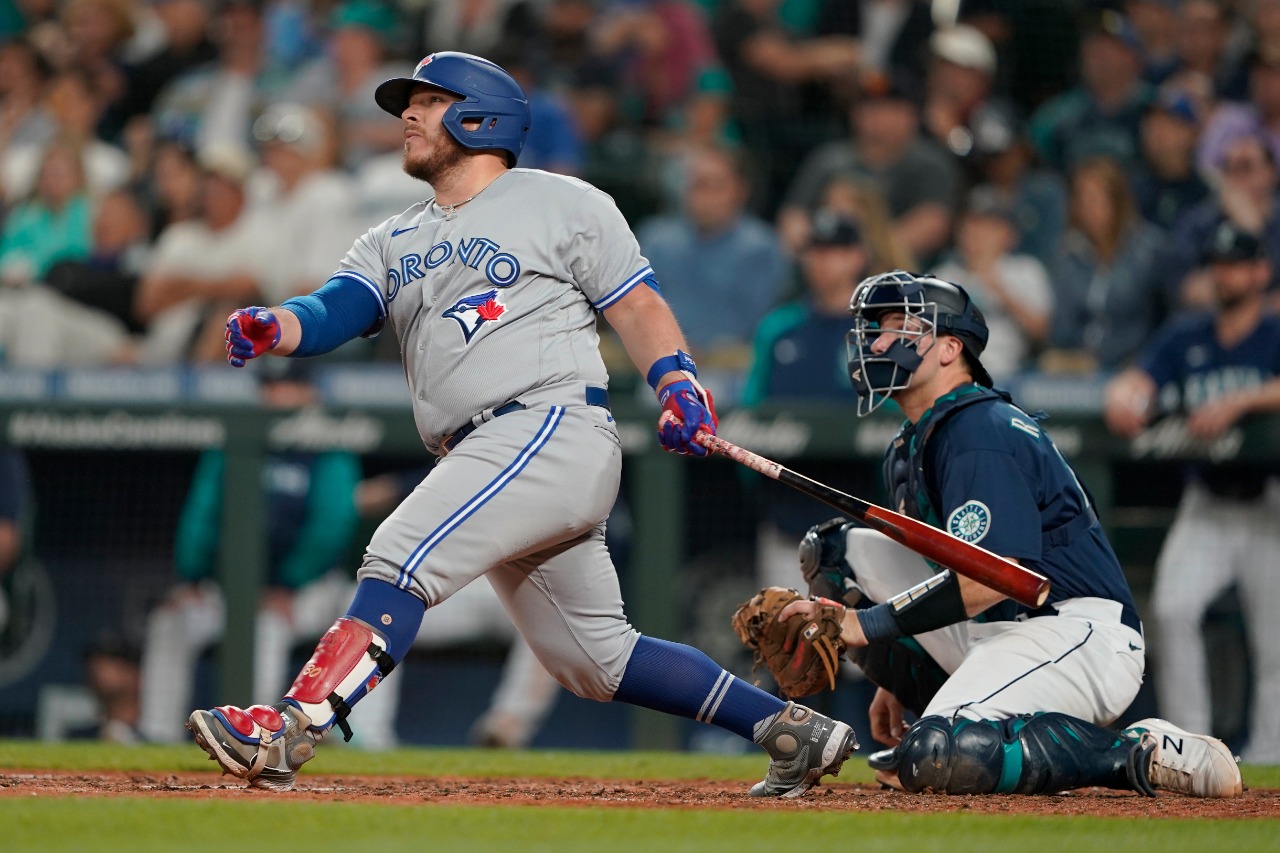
<point>1263,803</point>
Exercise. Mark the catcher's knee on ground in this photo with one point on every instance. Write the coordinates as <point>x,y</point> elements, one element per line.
<point>1041,754</point>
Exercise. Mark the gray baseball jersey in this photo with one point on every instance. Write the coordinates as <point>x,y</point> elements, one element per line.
<point>496,302</point>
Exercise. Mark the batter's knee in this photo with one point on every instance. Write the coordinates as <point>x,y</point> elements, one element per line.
<point>964,757</point>
<point>591,675</point>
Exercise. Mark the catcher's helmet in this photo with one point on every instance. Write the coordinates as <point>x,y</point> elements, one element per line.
<point>933,305</point>
<point>488,93</point>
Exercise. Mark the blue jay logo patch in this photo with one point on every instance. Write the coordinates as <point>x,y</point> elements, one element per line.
<point>472,312</point>
<point>969,522</point>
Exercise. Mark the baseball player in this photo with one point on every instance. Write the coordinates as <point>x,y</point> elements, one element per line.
<point>1010,700</point>
<point>493,287</point>
<point>1214,368</point>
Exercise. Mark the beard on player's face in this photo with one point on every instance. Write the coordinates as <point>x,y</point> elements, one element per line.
<point>445,156</point>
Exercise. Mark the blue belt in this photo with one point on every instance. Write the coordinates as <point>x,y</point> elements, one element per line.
<point>594,397</point>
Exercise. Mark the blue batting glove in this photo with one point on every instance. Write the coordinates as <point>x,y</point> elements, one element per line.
<point>250,333</point>
<point>693,410</point>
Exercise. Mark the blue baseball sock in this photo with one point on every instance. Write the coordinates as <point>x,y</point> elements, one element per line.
<point>681,680</point>
<point>393,613</point>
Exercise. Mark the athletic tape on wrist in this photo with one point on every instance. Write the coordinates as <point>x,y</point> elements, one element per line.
<point>681,360</point>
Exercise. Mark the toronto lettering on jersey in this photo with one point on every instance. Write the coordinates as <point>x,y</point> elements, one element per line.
<point>502,269</point>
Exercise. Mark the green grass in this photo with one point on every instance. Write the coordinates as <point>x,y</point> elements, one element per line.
<point>52,823</point>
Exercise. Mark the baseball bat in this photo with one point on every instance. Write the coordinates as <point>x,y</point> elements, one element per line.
<point>991,570</point>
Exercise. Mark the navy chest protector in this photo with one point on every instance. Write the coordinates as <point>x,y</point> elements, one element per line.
<point>910,488</point>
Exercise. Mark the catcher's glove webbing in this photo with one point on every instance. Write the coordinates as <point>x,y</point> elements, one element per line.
<point>803,653</point>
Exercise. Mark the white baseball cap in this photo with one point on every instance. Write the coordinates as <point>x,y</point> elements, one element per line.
<point>965,46</point>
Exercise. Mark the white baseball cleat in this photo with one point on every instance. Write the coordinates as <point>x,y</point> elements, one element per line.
<point>1187,763</point>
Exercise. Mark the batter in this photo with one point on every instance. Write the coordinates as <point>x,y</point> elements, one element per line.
<point>493,288</point>
<point>1010,700</point>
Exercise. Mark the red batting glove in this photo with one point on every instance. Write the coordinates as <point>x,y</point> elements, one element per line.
<point>250,333</point>
<point>693,411</point>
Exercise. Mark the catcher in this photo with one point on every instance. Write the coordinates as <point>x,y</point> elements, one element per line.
<point>1008,700</point>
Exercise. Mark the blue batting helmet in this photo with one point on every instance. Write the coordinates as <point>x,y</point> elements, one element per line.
<point>488,94</point>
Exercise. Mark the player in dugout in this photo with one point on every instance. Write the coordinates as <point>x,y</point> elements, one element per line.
<point>1009,699</point>
<point>493,286</point>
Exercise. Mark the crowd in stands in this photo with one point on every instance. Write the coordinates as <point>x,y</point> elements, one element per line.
<point>162,161</point>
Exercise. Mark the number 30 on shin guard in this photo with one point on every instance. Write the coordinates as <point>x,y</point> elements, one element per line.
<point>348,662</point>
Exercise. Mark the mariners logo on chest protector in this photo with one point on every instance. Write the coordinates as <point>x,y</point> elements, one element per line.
<point>473,312</point>
<point>970,521</point>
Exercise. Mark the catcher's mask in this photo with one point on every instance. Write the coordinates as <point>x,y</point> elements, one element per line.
<point>930,307</point>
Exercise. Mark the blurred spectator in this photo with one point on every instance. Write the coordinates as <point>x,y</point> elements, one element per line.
<point>1259,116</point>
<point>107,278</point>
<point>54,223</point>
<point>1168,184</point>
<point>23,119</point>
<point>1245,195</point>
<point>920,180</point>
<point>343,80</point>
<point>1003,160</point>
<point>1215,369</point>
<point>571,58</point>
<point>1037,42</point>
<point>48,238</point>
<point>857,199</point>
<point>663,47</point>
<point>961,71</point>
<point>310,518</point>
<point>202,268</point>
<point>1100,116</point>
<point>310,206</point>
<point>473,26</point>
<point>173,187</point>
<point>617,156</point>
<point>1155,23</point>
<point>889,33</point>
<point>292,30</point>
<point>101,43</point>
<point>213,106</point>
<point>799,356</point>
<point>788,86</point>
<point>1203,61</point>
<point>800,347</point>
<point>1012,291</point>
<point>186,46</point>
<point>73,102</point>
<point>111,666</point>
<point>720,268</point>
<point>553,143</point>
<point>1105,300</point>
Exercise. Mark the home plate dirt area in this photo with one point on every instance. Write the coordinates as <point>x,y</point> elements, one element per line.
<point>1257,803</point>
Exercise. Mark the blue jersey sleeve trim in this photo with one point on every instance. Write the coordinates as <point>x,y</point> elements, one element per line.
<point>340,310</point>
<point>623,289</point>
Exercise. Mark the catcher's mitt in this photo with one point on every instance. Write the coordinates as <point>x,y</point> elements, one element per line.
<point>802,653</point>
